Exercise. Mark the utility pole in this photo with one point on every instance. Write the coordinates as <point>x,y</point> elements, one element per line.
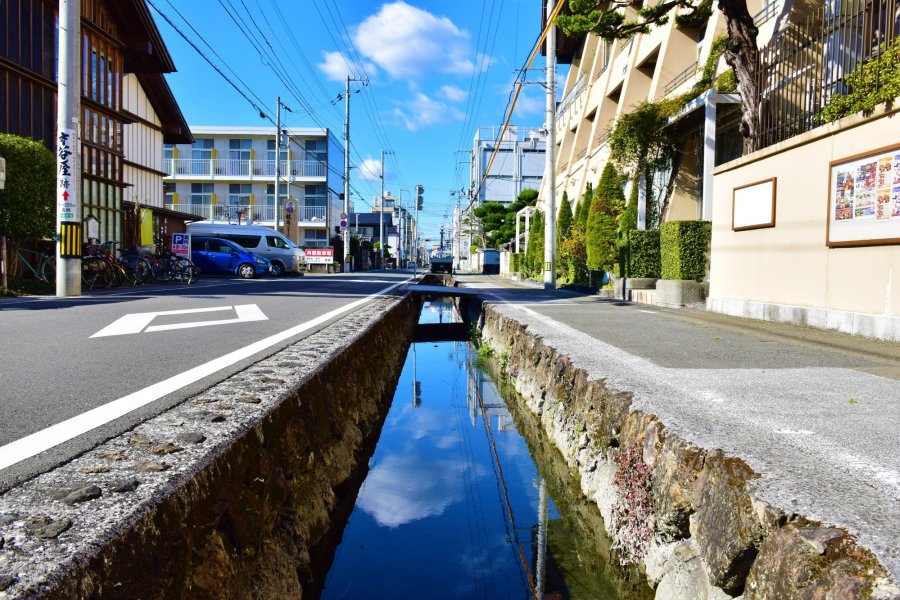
<point>550,169</point>
<point>277,158</point>
<point>347,165</point>
<point>381,215</point>
<point>68,165</point>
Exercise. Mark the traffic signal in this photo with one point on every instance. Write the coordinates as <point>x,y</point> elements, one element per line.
<point>420,189</point>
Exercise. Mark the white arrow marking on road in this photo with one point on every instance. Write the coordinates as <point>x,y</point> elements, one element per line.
<point>138,322</point>
<point>52,436</point>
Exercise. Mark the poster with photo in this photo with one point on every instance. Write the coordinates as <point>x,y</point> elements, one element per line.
<point>864,199</point>
<point>883,207</point>
<point>885,172</point>
<point>864,205</point>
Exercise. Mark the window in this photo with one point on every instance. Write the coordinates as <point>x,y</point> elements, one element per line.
<point>316,150</point>
<point>239,156</point>
<point>315,195</point>
<point>168,152</point>
<point>201,149</point>
<point>169,193</point>
<point>270,150</point>
<point>315,237</point>
<point>276,242</point>
<point>270,194</point>
<point>201,193</point>
<point>239,194</point>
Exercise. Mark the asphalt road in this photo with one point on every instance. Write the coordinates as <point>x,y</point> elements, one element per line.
<point>61,358</point>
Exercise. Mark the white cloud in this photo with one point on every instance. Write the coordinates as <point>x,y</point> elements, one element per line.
<point>409,42</point>
<point>336,67</point>
<point>370,169</point>
<point>403,488</point>
<point>422,111</point>
<point>454,93</point>
<point>529,105</point>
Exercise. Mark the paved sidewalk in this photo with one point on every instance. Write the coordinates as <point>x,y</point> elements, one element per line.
<point>815,413</point>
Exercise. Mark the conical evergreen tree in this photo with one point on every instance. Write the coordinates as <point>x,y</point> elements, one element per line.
<point>564,223</point>
<point>603,221</point>
<point>584,207</point>
<point>533,258</point>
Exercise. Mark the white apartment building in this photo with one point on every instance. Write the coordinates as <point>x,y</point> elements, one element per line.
<point>228,174</point>
<point>518,163</point>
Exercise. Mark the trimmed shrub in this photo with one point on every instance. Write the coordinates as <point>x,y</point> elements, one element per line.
<point>573,257</point>
<point>515,262</point>
<point>28,204</point>
<point>683,247</point>
<point>644,254</point>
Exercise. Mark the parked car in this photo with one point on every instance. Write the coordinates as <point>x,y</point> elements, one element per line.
<point>217,255</point>
<point>285,255</point>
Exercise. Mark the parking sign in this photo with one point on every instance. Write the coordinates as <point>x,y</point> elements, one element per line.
<point>181,244</point>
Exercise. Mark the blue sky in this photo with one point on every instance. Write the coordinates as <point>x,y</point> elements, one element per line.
<point>438,69</point>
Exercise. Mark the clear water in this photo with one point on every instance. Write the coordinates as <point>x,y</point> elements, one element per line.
<point>454,506</point>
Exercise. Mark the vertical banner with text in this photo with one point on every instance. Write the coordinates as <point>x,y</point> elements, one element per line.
<point>66,180</point>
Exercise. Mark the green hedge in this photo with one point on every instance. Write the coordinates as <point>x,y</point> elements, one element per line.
<point>683,247</point>
<point>644,254</point>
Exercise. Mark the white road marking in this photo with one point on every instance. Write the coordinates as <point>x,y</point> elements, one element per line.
<point>649,312</point>
<point>138,322</point>
<point>34,444</point>
<point>795,431</point>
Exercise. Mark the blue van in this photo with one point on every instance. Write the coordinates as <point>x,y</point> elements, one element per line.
<point>215,255</point>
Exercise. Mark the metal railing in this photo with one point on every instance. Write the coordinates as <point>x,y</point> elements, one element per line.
<point>769,10</point>
<point>570,98</point>
<point>229,167</point>
<point>685,75</point>
<point>805,65</point>
<point>242,213</point>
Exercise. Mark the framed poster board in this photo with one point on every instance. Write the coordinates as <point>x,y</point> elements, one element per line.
<point>864,199</point>
<point>753,205</point>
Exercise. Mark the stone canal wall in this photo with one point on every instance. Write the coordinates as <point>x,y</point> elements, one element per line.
<point>229,495</point>
<point>687,515</point>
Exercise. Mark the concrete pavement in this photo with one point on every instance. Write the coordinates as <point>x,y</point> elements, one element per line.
<point>813,412</point>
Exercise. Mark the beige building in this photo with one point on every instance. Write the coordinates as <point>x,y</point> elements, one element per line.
<point>789,243</point>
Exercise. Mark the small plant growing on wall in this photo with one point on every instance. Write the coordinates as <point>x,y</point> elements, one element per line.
<point>633,510</point>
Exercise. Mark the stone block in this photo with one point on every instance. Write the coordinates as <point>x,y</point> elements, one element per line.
<point>675,293</point>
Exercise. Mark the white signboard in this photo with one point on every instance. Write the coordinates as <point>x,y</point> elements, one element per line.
<point>66,178</point>
<point>864,199</point>
<point>754,205</point>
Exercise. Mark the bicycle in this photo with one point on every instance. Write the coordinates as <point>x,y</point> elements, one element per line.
<point>44,269</point>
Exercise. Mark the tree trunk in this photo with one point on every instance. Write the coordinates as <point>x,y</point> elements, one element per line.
<point>742,55</point>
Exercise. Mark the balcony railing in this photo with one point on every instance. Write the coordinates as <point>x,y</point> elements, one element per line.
<point>264,169</point>
<point>681,78</point>
<point>255,213</point>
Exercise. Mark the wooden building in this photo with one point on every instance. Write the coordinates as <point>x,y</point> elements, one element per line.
<point>127,108</point>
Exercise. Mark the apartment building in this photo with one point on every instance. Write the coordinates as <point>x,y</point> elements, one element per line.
<point>608,79</point>
<point>127,109</point>
<point>812,208</point>
<point>228,174</point>
<point>518,163</point>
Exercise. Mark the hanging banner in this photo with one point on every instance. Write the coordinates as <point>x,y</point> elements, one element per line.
<point>66,177</point>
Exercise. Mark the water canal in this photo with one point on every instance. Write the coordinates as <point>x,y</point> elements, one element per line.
<point>464,499</point>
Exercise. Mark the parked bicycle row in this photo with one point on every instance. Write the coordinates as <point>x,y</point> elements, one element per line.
<point>100,268</point>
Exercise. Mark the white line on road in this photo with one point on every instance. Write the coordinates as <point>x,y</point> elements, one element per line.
<point>649,312</point>
<point>34,444</point>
